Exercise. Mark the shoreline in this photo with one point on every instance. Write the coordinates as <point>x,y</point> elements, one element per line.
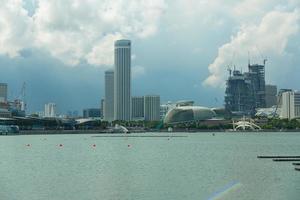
<point>75,132</point>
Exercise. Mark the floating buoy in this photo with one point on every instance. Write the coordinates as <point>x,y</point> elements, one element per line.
<point>60,145</point>
<point>129,146</point>
<point>94,145</point>
<point>28,145</point>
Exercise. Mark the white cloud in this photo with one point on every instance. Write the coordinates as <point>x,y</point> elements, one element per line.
<point>270,37</point>
<point>102,52</point>
<point>75,30</point>
<point>133,56</point>
<point>138,71</point>
<point>15,27</point>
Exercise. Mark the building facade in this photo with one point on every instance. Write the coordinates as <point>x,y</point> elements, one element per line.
<point>50,110</point>
<point>122,80</point>
<point>290,105</point>
<point>152,108</point>
<point>246,92</point>
<point>137,106</point>
<point>239,94</point>
<point>3,92</point>
<point>102,108</point>
<point>109,96</point>
<point>91,113</point>
<point>271,95</point>
<point>257,76</point>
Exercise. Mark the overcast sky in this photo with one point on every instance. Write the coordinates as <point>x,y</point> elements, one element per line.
<point>181,49</point>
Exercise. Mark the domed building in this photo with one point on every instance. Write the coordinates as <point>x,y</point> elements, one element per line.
<point>184,114</point>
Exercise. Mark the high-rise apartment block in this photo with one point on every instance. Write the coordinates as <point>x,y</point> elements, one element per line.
<point>152,108</point>
<point>289,105</point>
<point>137,105</point>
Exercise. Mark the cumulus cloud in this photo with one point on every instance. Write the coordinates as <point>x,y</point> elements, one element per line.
<point>270,36</point>
<point>76,30</point>
<point>15,28</point>
<point>138,71</point>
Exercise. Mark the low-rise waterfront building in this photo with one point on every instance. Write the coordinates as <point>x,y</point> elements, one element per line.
<point>5,113</point>
<point>91,113</point>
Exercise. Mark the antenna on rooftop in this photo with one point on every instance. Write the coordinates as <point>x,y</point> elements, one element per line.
<point>265,60</point>
<point>249,58</point>
<point>229,70</point>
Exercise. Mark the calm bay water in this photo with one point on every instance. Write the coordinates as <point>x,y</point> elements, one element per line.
<point>196,166</point>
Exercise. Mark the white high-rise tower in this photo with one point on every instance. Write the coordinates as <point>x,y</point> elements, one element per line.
<point>122,82</point>
<point>50,110</point>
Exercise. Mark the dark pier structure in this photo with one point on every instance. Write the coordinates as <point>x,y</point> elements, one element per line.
<point>287,158</point>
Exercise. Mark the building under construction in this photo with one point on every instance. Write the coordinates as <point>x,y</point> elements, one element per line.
<point>246,91</point>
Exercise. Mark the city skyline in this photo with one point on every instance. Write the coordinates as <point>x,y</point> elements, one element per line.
<point>189,61</point>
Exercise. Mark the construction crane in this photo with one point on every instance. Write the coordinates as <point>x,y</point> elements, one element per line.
<point>22,97</point>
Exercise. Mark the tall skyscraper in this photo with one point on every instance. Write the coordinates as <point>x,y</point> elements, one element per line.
<point>109,96</point>
<point>271,95</point>
<point>137,105</point>
<point>239,96</point>
<point>122,81</point>
<point>50,110</point>
<point>246,92</point>
<point>3,92</point>
<point>257,77</point>
<point>152,108</point>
